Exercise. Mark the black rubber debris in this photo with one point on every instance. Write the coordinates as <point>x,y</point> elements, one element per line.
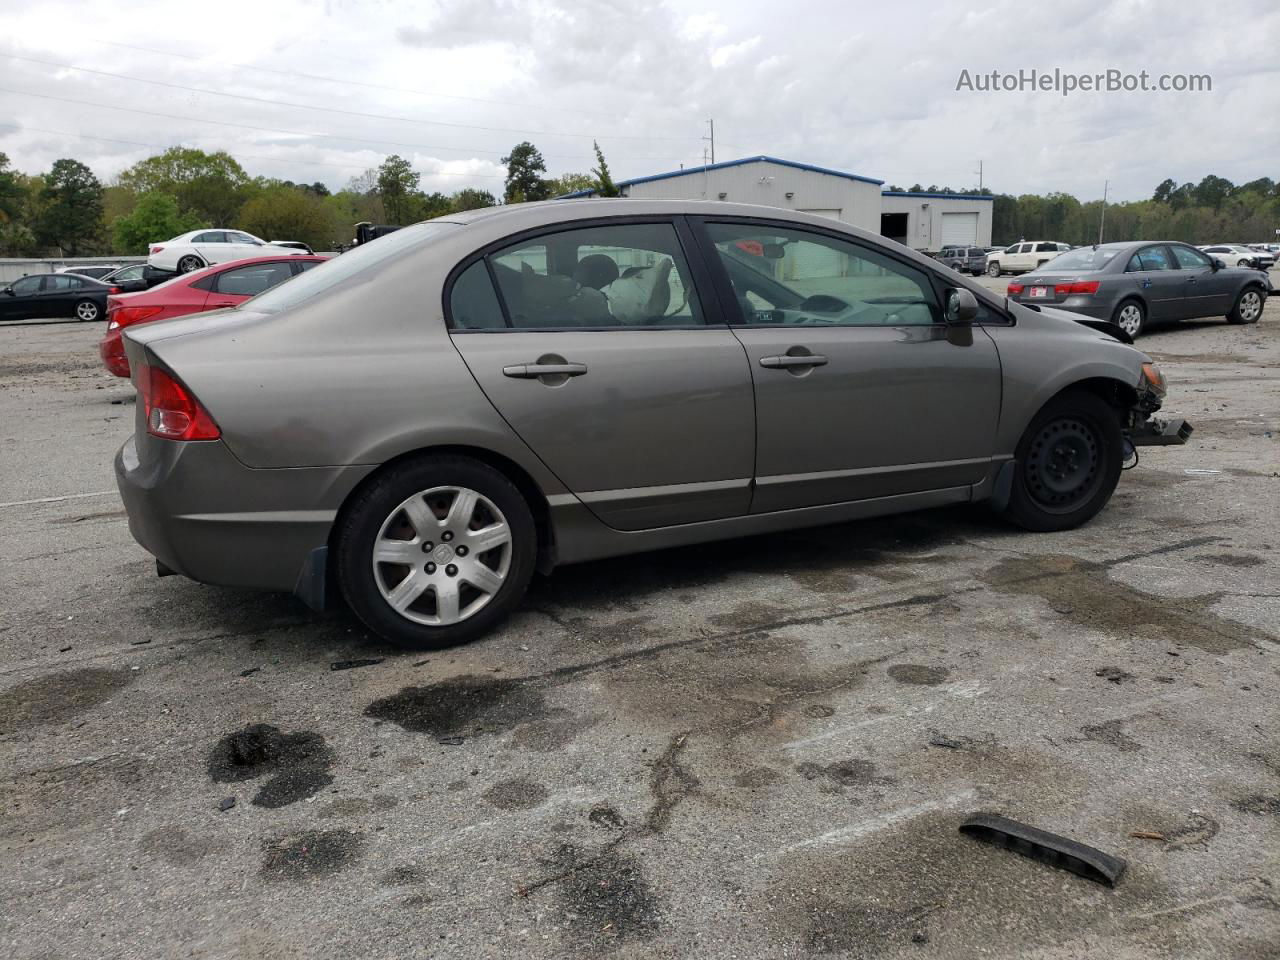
<point>226,803</point>
<point>352,664</point>
<point>250,672</point>
<point>1048,848</point>
<point>451,741</point>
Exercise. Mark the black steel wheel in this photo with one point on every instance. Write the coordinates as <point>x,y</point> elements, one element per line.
<point>1067,463</point>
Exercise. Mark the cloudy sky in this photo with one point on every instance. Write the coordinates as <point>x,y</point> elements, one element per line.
<point>323,90</point>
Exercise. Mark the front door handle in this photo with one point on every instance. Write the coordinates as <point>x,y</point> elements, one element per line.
<point>532,371</point>
<point>787,360</point>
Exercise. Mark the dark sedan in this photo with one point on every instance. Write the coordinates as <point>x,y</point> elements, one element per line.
<point>1132,283</point>
<point>55,295</point>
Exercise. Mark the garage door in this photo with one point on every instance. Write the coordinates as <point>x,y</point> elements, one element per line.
<point>959,229</point>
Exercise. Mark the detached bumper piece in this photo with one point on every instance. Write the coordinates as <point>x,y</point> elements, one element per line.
<point>1159,433</point>
<point>1048,848</point>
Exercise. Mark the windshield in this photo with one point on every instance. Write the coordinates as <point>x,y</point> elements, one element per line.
<point>1083,258</point>
<point>347,268</point>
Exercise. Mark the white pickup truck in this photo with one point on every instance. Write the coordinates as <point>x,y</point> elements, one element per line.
<point>1023,256</point>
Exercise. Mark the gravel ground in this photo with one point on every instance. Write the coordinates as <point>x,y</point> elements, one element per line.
<point>753,749</point>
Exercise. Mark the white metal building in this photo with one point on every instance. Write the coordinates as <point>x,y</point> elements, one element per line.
<point>922,221</point>
<point>769,181</point>
<point>931,221</point>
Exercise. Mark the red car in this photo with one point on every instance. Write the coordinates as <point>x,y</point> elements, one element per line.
<point>213,288</point>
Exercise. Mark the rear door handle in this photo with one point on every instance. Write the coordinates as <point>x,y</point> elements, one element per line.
<point>531,371</point>
<point>787,360</point>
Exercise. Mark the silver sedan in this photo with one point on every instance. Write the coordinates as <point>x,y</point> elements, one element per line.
<point>421,423</point>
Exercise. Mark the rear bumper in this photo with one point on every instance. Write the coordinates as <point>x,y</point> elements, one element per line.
<point>203,514</point>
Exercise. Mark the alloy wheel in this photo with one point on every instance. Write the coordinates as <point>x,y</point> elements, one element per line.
<point>87,310</point>
<point>442,555</point>
<point>1130,319</point>
<point>188,264</point>
<point>1250,306</point>
<point>1062,466</point>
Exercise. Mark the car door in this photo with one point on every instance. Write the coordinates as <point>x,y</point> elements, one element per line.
<point>58,295</point>
<point>1151,270</point>
<point>23,299</point>
<point>230,288</point>
<point>1206,292</point>
<point>213,246</point>
<point>598,348</point>
<point>861,390</point>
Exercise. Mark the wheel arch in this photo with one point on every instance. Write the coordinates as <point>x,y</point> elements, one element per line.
<point>534,496</point>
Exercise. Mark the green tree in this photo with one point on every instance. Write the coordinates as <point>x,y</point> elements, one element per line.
<point>1164,190</point>
<point>472,199</point>
<point>17,240</point>
<point>571,183</point>
<point>12,193</point>
<point>211,185</point>
<point>397,186</point>
<point>524,166</point>
<point>1212,191</point>
<point>286,213</point>
<point>156,216</point>
<point>70,216</point>
<point>604,180</point>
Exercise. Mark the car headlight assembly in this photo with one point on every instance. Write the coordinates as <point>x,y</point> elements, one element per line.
<point>1153,380</point>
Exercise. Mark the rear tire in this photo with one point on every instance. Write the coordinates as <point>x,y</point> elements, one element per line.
<point>88,311</point>
<point>1130,316</point>
<point>1248,306</point>
<point>439,514</point>
<point>1067,463</point>
<point>190,263</point>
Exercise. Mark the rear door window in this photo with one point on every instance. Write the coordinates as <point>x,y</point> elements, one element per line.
<point>1151,258</point>
<point>629,275</point>
<point>251,280</point>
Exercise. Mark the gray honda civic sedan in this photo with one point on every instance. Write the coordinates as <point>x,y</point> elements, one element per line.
<point>420,424</point>
<point>1131,284</point>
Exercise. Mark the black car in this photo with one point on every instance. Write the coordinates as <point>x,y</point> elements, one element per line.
<point>96,273</point>
<point>55,295</point>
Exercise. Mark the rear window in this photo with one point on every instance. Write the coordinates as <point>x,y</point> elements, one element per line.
<point>1085,258</point>
<point>346,269</point>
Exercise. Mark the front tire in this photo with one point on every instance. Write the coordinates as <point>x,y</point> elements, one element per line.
<point>88,311</point>
<point>190,263</point>
<point>1130,316</point>
<point>1248,306</point>
<point>436,551</point>
<point>1067,463</point>
<point>993,269</point>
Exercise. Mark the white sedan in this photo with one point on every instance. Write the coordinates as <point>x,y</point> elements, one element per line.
<point>1238,255</point>
<point>202,248</point>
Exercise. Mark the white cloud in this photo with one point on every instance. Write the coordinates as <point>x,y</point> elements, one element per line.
<point>867,88</point>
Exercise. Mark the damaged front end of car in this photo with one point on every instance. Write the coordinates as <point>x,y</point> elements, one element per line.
<point>1142,428</point>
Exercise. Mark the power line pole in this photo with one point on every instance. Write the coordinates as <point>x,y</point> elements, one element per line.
<point>979,172</point>
<point>712,125</point>
<point>1103,221</point>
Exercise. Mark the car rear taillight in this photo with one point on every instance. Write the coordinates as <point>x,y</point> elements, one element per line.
<point>173,412</point>
<point>157,249</point>
<point>1086,287</point>
<point>115,290</point>
<point>1015,288</point>
<point>127,316</point>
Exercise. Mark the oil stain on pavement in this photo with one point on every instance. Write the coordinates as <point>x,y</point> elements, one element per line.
<point>1084,593</point>
<point>297,764</point>
<point>467,705</point>
<point>58,696</point>
<point>310,855</point>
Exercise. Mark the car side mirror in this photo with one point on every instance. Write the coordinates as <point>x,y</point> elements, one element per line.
<point>7,291</point>
<point>962,306</point>
<point>1218,264</point>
